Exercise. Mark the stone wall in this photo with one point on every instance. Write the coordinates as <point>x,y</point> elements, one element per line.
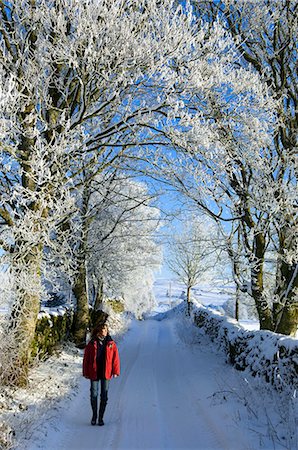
<point>53,327</point>
<point>271,356</point>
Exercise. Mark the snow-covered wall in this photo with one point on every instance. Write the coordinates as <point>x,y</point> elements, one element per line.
<point>271,356</point>
<point>53,327</point>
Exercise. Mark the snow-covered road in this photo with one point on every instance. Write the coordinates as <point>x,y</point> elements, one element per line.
<point>164,399</point>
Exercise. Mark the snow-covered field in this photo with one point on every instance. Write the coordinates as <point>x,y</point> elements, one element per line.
<point>169,293</point>
<point>175,391</point>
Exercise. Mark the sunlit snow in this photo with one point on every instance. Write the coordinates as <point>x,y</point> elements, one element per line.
<point>176,391</point>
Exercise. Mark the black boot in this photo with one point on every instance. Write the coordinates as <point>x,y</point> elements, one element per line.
<point>94,410</point>
<point>102,409</point>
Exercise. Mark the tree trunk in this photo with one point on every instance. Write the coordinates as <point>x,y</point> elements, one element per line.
<point>26,268</point>
<point>23,319</point>
<point>285,307</point>
<point>188,300</point>
<point>99,296</point>
<point>257,287</point>
<point>81,319</point>
<point>98,315</point>
<point>237,301</point>
<point>80,290</point>
<point>263,309</point>
<point>288,321</point>
<point>24,336</point>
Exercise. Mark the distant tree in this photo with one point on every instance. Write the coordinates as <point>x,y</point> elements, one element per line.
<point>192,253</point>
<point>122,249</point>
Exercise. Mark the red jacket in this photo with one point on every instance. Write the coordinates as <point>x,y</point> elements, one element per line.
<point>112,361</point>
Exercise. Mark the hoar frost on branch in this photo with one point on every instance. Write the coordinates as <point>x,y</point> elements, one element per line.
<point>194,253</point>
<point>81,81</point>
<point>237,153</point>
<point>122,251</point>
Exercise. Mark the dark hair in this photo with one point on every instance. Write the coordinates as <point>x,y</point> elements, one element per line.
<point>98,328</point>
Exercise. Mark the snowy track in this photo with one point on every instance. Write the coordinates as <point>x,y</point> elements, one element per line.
<point>162,400</point>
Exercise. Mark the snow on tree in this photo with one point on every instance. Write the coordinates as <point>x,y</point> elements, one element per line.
<point>122,249</point>
<point>235,147</point>
<point>81,81</point>
<point>85,83</point>
<point>266,36</point>
<point>193,253</point>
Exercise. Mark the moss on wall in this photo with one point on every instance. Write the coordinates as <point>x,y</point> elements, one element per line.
<point>116,305</point>
<point>51,330</point>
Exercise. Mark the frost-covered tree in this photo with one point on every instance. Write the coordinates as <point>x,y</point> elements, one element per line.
<point>222,159</point>
<point>79,80</point>
<point>88,81</point>
<point>224,166</point>
<point>193,253</point>
<point>266,36</point>
<point>122,248</point>
<point>113,245</point>
<point>235,146</point>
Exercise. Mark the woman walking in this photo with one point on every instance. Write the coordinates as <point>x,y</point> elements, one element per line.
<point>101,362</point>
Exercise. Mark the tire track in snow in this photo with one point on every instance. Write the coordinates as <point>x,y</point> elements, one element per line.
<point>129,355</point>
<point>184,428</point>
<point>139,426</point>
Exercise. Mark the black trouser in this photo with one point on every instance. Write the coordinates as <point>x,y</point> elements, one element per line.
<point>94,389</point>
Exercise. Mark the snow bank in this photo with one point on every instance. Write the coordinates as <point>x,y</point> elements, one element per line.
<point>271,356</point>
<point>51,384</point>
